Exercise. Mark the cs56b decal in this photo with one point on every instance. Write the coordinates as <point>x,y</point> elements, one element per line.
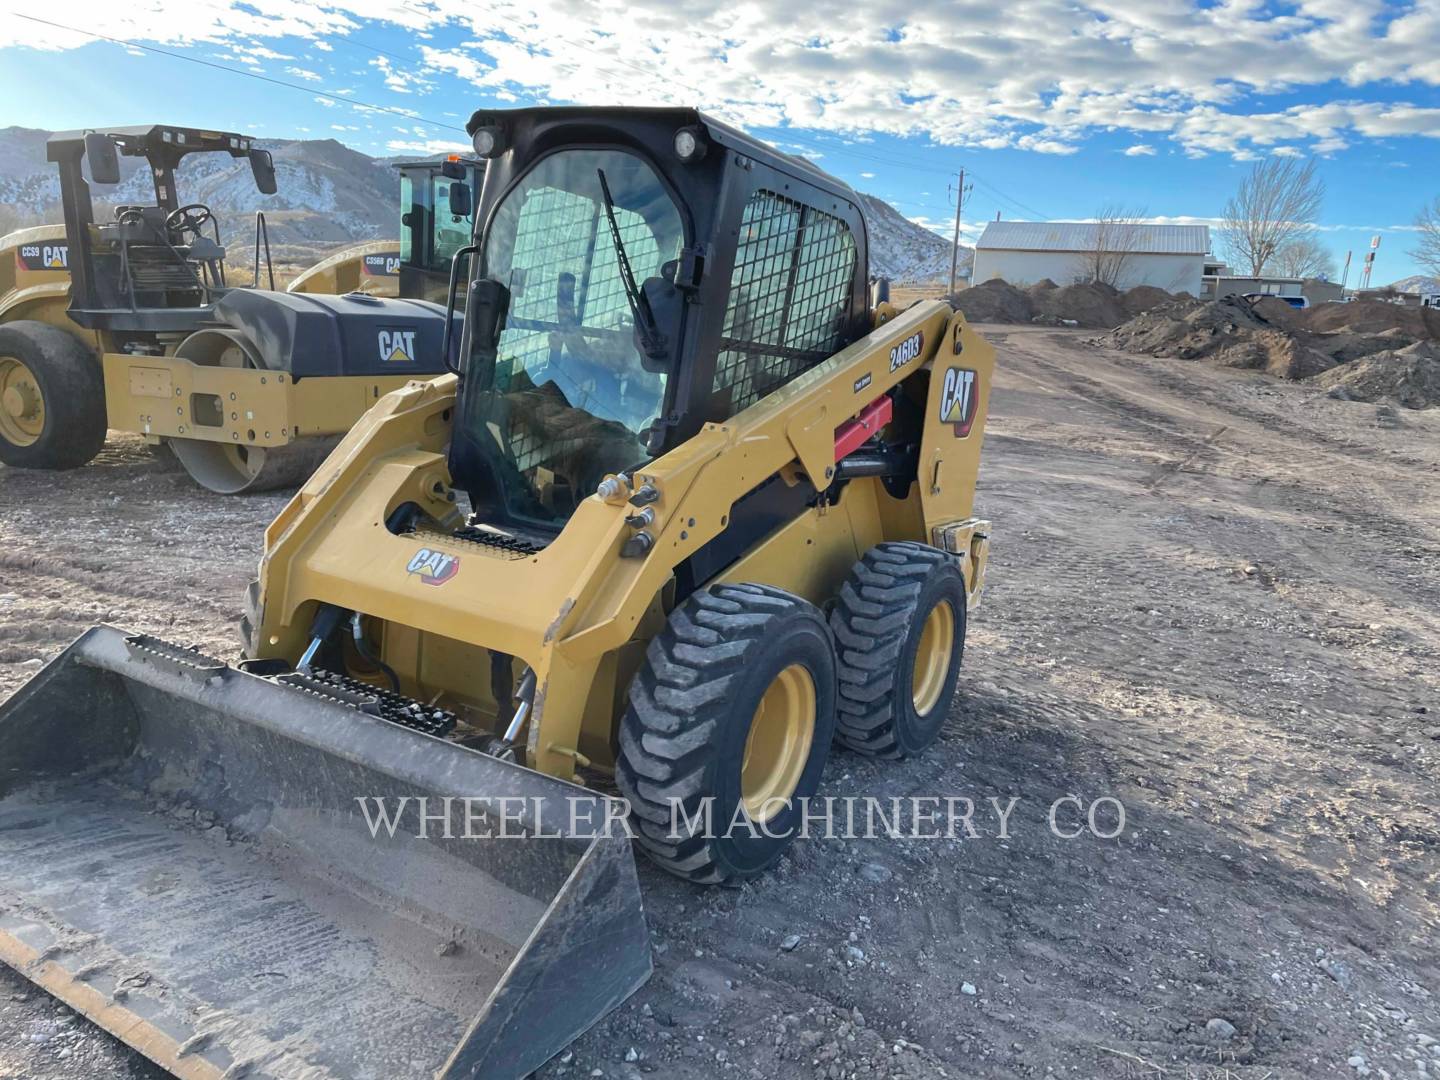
<point>385,264</point>
<point>434,567</point>
<point>959,398</point>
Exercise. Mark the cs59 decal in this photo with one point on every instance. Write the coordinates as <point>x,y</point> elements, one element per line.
<point>959,398</point>
<point>397,346</point>
<point>906,351</point>
<point>434,567</point>
<point>43,256</point>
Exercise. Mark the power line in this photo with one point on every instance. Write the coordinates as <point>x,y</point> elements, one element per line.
<point>310,90</point>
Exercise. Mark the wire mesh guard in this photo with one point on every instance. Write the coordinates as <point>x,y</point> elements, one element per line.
<point>789,296</point>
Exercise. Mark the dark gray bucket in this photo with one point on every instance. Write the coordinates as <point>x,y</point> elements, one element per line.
<point>183,859</point>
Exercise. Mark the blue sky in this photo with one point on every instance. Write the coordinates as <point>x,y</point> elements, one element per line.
<point>1055,108</point>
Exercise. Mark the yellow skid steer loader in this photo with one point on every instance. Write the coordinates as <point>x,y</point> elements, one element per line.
<point>697,506</point>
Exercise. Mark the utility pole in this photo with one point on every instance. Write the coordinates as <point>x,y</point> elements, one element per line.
<point>960,192</point>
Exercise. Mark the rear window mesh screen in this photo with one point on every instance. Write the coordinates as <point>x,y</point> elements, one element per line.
<point>789,298</point>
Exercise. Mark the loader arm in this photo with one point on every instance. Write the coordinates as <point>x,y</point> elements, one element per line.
<point>565,609</point>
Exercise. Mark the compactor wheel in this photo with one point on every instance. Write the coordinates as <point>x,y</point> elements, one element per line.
<point>52,398</point>
<point>899,625</point>
<point>229,468</point>
<point>734,709</point>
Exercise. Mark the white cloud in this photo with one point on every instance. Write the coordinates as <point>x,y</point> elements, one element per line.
<point>867,176</point>
<point>426,147</point>
<point>305,73</point>
<point>1039,75</point>
<point>1140,150</point>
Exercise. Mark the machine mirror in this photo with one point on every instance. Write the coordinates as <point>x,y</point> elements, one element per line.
<point>262,166</point>
<point>460,205</point>
<point>103,158</point>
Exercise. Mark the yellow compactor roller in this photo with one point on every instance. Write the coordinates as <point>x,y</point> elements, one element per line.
<point>128,318</point>
<point>696,508</point>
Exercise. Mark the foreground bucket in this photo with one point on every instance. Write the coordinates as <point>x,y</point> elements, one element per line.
<point>184,859</point>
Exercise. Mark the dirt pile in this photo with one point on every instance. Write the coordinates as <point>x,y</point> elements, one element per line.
<point>1410,377</point>
<point>1276,352</point>
<point>1093,305</point>
<point>1143,298</point>
<point>1187,329</point>
<point>1376,353</point>
<point>994,301</point>
<point>1373,317</point>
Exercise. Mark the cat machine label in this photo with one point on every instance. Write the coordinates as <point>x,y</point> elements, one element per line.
<point>397,345</point>
<point>959,398</point>
<point>43,256</point>
<point>385,264</point>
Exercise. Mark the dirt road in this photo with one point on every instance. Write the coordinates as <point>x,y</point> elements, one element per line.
<point>1214,598</point>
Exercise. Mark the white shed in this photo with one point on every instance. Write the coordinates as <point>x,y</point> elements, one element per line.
<point>1170,257</point>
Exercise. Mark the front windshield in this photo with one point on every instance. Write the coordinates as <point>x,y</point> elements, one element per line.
<point>568,398</point>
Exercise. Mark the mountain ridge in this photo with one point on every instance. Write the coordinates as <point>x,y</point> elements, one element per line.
<point>330,195</point>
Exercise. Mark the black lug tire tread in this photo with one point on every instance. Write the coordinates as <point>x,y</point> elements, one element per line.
<point>870,621</point>
<point>73,386</point>
<point>678,700</point>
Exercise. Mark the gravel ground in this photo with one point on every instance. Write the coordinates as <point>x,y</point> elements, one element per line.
<point>1213,597</point>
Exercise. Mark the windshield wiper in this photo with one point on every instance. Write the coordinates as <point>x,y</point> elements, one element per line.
<point>651,338</point>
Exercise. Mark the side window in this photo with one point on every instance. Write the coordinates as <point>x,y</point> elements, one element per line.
<point>789,297</point>
<point>451,232</point>
<point>407,201</point>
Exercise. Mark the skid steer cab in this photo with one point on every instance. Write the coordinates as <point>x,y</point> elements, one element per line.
<point>693,511</point>
<point>130,321</point>
<point>437,205</point>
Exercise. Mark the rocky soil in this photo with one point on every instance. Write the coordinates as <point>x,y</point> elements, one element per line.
<point>1213,597</point>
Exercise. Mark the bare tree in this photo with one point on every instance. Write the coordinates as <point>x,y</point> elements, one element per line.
<point>1427,249</point>
<point>1304,257</point>
<point>1117,236</point>
<point>1274,206</point>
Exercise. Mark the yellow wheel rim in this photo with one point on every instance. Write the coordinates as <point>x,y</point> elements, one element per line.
<point>932,658</point>
<point>22,405</point>
<point>781,733</point>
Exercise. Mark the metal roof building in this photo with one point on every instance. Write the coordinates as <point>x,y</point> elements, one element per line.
<point>1171,257</point>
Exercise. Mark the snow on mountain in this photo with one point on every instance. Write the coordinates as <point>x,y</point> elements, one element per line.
<point>904,251</point>
<point>1417,283</point>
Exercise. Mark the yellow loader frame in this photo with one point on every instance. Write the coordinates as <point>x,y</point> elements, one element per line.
<point>579,612</point>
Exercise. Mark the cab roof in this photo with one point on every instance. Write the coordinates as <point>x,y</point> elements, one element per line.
<point>594,119</point>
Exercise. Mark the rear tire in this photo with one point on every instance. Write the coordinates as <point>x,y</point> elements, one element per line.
<point>899,625</point>
<point>52,398</point>
<point>735,703</point>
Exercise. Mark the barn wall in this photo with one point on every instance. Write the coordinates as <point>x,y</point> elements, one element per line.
<point>1175,273</point>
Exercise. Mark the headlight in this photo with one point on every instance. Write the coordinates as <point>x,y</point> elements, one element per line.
<point>488,142</point>
<point>689,145</point>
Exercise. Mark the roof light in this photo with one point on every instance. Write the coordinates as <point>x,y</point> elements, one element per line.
<point>489,142</point>
<point>690,145</point>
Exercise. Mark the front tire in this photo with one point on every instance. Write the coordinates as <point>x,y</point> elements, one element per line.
<point>899,625</point>
<point>52,398</point>
<point>735,704</point>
